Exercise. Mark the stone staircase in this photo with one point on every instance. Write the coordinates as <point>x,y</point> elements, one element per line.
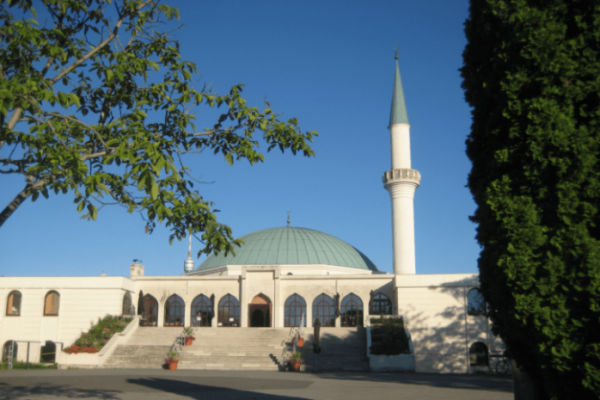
<point>343,349</point>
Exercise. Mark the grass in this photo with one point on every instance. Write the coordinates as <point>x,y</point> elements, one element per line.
<point>100,334</point>
<point>22,365</point>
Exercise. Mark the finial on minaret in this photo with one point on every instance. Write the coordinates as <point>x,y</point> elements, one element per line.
<point>396,52</point>
<point>288,220</point>
<point>188,265</point>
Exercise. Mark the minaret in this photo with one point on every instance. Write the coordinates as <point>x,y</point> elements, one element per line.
<point>401,181</point>
<point>188,265</point>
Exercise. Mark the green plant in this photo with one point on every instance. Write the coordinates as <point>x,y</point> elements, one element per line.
<point>188,331</point>
<point>100,333</point>
<point>389,339</point>
<point>22,365</point>
<point>173,354</point>
<point>298,358</point>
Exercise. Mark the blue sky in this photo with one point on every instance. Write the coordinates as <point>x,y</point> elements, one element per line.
<point>331,65</point>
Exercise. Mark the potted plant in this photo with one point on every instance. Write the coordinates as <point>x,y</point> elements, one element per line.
<point>172,360</point>
<point>188,337</point>
<point>295,362</point>
<point>300,341</point>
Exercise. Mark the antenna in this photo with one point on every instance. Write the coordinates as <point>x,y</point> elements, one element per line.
<point>288,220</point>
<point>396,49</point>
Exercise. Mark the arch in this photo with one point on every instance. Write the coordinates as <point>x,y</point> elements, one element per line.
<point>48,352</point>
<point>229,311</point>
<point>478,355</point>
<point>51,303</point>
<point>149,311</point>
<point>202,311</point>
<point>128,304</point>
<point>475,302</point>
<point>294,308</point>
<point>352,311</point>
<point>381,305</point>
<point>323,308</point>
<point>259,312</point>
<point>260,299</point>
<point>6,350</point>
<point>174,311</point>
<point>13,304</point>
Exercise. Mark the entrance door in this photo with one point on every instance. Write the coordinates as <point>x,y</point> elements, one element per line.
<point>259,312</point>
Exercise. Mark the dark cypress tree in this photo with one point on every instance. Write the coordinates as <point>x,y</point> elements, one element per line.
<point>532,76</point>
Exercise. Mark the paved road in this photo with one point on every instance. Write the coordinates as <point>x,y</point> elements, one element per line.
<point>251,385</point>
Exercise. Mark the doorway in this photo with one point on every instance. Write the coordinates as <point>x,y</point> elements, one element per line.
<point>259,312</point>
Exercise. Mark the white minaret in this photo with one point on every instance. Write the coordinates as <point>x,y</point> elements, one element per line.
<point>401,181</point>
<point>188,265</point>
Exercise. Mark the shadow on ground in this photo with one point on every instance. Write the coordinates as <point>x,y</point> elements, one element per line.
<point>449,381</point>
<point>229,389</point>
<point>9,392</point>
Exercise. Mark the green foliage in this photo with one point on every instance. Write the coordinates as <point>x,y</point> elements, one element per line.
<point>388,337</point>
<point>22,365</point>
<point>532,75</point>
<point>97,101</point>
<point>100,334</point>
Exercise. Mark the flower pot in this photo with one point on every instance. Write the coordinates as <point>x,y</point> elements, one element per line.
<point>173,366</point>
<point>189,341</point>
<point>300,342</point>
<point>297,367</point>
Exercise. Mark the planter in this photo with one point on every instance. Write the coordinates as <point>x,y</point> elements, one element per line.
<point>398,363</point>
<point>189,341</point>
<point>173,366</point>
<point>300,342</point>
<point>297,367</point>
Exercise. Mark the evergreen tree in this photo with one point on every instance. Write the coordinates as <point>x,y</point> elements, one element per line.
<point>532,75</point>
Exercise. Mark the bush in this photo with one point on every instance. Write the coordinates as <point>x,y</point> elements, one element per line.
<point>388,337</point>
<point>99,335</point>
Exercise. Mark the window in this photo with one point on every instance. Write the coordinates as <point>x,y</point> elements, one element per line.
<point>175,311</point>
<point>149,311</point>
<point>478,355</point>
<point>324,309</point>
<point>475,303</point>
<point>229,311</point>
<point>352,311</point>
<point>295,308</point>
<point>51,303</point>
<point>381,304</point>
<point>202,311</point>
<point>13,306</point>
<point>7,348</point>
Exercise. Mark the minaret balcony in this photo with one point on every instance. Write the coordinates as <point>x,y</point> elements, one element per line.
<point>402,175</point>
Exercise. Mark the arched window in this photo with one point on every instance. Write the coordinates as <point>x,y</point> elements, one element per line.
<point>295,308</point>
<point>478,354</point>
<point>229,311</point>
<point>51,303</point>
<point>149,311</point>
<point>352,311</point>
<point>174,311</point>
<point>324,309</point>
<point>13,306</point>
<point>381,305</point>
<point>128,304</point>
<point>202,311</point>
<point>48,353</point>
<point>7,348</point>
<point>475,303</point>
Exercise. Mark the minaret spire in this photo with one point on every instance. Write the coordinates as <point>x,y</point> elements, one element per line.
<point>188,265</point>
<point>401,182</point>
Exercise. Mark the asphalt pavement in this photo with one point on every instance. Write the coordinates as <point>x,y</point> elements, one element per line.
<point>251,385</point>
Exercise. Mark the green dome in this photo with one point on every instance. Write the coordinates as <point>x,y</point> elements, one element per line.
<point>291,246</point>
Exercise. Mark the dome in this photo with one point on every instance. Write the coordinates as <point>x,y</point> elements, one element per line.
<point>291,246</point>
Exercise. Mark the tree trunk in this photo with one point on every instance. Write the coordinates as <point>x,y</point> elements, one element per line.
<point>13,205</point>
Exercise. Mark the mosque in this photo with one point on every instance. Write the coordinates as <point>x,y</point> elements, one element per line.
<point>282,277</point>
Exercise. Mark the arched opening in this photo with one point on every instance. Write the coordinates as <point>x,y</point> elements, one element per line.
<point>149,311</point>
<point>381,305</point>
<point>259,312</point>
<point>352,311</point>
<point>48,353</point>
<point>128,304</point>
<point>202,311</point>
<point>229,311</point>
<point>174,311</point>
<point>9,346</point>
<point>13,305</point>
<point>295,308</point>
<point>478,355</point>
<point>51,303</point>
<point>475,303</point>
<point>324,309</point>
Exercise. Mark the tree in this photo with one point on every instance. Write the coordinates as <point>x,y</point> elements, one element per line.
<point>532,75</point>
<point>95,100</point>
